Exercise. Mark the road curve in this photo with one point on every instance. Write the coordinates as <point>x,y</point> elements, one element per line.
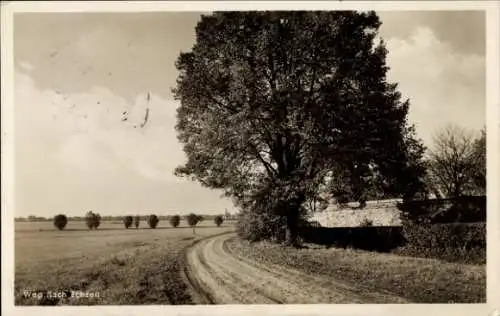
<point>218,276</point>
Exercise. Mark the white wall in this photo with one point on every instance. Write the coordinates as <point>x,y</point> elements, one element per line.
<point>382,213</point>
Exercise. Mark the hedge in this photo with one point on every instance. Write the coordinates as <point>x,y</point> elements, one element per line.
<point>458,242</point>
<point>372,238</point>
<point>463,209</point>
<point>461,242</point>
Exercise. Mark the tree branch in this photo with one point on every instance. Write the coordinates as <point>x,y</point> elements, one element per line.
<point>270,170</point>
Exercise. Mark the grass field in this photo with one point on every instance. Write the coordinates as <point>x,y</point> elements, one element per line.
<point>105,225</point>
<point>134,266</point>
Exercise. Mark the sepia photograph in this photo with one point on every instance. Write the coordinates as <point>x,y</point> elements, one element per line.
<point>249,157</point>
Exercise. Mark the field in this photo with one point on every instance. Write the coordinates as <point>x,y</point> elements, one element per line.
<point>105,225</point>
<point>123,266</point>
<point>174,266</point>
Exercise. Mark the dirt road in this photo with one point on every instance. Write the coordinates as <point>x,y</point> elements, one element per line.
<point>218,276</point>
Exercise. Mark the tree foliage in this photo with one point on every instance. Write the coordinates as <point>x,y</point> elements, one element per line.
<point>127,221</point>
<point>479,178</point>
<point>93,220</point>
<point>175,220</point>
<point>193,219</point>
<point>137,221</point>
<point>218,220</point>
<point>153,221</point>
<point>60,221</point>
<point>458,161</point>
<point>277,106</point>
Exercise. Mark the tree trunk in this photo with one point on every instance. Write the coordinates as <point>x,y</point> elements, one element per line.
<point>292,225</point>
<point>457,190</point>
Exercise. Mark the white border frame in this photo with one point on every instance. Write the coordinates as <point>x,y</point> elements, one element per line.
<point>492,9</point>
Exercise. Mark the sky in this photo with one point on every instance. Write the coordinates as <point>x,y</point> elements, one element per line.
<point>77,73</point>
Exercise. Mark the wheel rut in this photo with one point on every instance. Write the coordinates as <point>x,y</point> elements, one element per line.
<point>216,275</point>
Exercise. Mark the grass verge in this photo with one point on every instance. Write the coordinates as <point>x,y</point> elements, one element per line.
<point>416,279</point>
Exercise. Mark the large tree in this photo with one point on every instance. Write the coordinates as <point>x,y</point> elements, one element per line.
<point>457,161</point>
<point>275,104</point>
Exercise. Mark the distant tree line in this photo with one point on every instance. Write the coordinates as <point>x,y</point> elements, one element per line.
<point>33,218</point>
<point>117,218</point>
<point>93,220</point>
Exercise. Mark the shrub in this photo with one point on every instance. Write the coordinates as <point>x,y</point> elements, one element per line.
<point>137,221</point>
<point>255,225</point>
<point>153,221</point>
<point>93,220</point>
<point>457,242</point>
<point>60,221</point>
<point>463,209</point>
<point>218,220</point>
<point>448,229</point>
<point>127,221</point>
<point>175,220</point>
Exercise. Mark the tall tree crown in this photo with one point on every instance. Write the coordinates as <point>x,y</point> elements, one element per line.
<point>273,102</point>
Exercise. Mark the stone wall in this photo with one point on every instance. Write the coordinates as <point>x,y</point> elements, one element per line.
<point>381,213</point>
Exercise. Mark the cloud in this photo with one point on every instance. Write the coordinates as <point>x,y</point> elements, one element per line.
<point>73,151</point>
<point>90,133</point>
<point>128,53</point>
<point>443,85</point>
<point>464,31</point>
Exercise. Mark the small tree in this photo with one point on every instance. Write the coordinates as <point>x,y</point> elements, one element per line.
<point>153,221</point>
<point>218,220</point>
<point>137,221</point>
<point>127,221</point>
<point>93,220</point>
<point>175,220</point>
<point>193,220</point>
<point>60,221</point>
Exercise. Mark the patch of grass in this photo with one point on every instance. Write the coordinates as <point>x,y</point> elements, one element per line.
<point>416,279</point>
<point>123,266</point>
<point>476,255</point>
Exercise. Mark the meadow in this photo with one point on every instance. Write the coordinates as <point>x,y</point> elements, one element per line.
<point>113,264</point>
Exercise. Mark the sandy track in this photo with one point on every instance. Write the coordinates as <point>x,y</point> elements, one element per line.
<point>217,276</point>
